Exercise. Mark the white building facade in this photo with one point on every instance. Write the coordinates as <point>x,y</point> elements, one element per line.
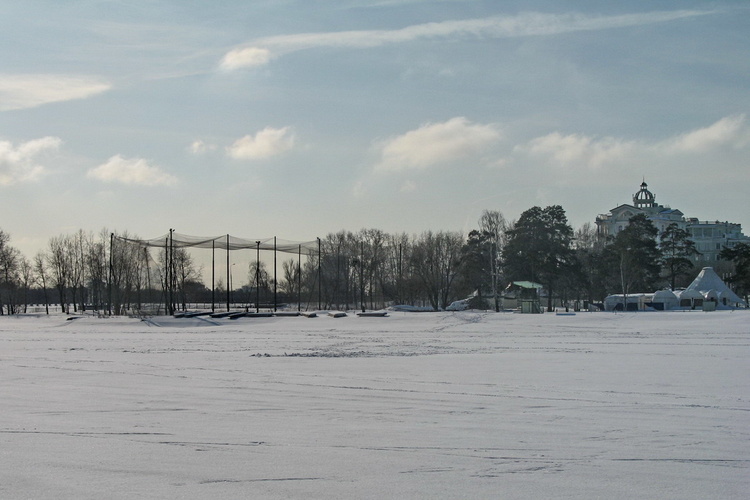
<point>710,237</point>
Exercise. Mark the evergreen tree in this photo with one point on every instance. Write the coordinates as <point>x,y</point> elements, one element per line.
<point>676,248</point>
<point>634,256</point>
<point>477,265</point>
<point>539,248</point>
<point>590,270</point>
<point>739,254</point>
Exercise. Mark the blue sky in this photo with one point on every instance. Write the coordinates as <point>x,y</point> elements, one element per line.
<point>295,118</point>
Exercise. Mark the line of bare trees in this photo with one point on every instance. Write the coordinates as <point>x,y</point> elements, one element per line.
<point>108,273</point>
<point>371,269</point>
<point>113,274</point>
<point>85,271</point>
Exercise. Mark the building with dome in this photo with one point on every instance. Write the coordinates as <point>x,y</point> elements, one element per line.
<point>710,237</point>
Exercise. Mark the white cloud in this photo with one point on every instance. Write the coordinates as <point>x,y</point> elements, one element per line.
<point>200,147</point>
<point>20,163</point>
<point>524,24</point>
<point>436,143</point>
<point>265,144</point>
<point>721,145</point>
<point>728,130</point>
<point>245,58</point>
<point>134,171</point>
<point>577,150</point>
<point>29,91</point>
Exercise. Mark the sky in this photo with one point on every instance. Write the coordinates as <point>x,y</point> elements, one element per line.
<point>296,119</point>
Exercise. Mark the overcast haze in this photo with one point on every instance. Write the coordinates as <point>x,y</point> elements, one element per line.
<point>295,119</point>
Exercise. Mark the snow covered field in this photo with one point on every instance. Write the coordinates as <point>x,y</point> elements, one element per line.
<point>415,405</point>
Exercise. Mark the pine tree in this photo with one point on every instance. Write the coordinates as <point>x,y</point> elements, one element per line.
<point>634,256</point>
<point>539,248</point>
<point>739,254</point>
<point>676,248</point>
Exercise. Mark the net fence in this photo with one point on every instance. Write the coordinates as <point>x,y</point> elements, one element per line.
<point>226,242</point>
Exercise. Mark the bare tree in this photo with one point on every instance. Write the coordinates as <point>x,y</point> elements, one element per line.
<point>436,261</point>
<point>395,275</point>
<point>186,273</point>
<point>10,261</point>
<point>494,226</point>
<point>289,284</point>
<point>77,249</point>
<point>97,268</point>
<point>59,264</point>
<point>40,270</point>
<point>26,280</point>
<point>126,272</point>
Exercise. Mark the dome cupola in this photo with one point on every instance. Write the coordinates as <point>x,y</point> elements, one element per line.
<point>644,198</point>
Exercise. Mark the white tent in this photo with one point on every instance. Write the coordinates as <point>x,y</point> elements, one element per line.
<point>636,301</point>
<point>711,295</point>
<point>707,280</point>
<point>666,298</point>
<point>690,298</point>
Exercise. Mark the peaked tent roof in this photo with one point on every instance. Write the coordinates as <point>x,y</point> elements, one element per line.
<point>707,280</point>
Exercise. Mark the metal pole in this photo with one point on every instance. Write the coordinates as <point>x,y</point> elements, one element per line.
<point>148,271</point>
<point>320,283</point>
<point>275,281</point>
<point>400,274</point>
<point>111,248</point>
<point>257,277</point>
<point>299,278</point>
<point>165,285</point>
<point>173,278</point>
<point>228,277</point>
<point>213,275</point>
<point>362,276</point>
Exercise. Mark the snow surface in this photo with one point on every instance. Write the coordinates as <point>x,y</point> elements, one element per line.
<point>414,405</point>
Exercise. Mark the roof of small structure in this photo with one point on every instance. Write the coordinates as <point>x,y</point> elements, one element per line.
<point>527,284</point>
<point>689,294</point>
<point>664,295</point>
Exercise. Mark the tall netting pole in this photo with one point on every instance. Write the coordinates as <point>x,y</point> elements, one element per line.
<point>148,296</point>
<point>299,278</point>
<point>165,278</point>
<point>275,302</point>
<point>362,276</point>
<point>320,282</point>
<point>172,274</point>
<point>213,275</point>
<point>111,248</point>
<point>257,277</point>
<point>228,276</point>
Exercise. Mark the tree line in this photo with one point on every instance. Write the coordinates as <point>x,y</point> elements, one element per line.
<point>368,269</point>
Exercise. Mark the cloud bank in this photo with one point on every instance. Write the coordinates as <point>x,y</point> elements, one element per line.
<point>20,163</point>
<point>261,51</point>
<point>579,152</point>
<point>457,145</point>
<point>133,171</point>
<point>29,91</point>
<point>729,130</point>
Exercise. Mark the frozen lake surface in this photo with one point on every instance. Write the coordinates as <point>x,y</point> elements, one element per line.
<point>414,405</point>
